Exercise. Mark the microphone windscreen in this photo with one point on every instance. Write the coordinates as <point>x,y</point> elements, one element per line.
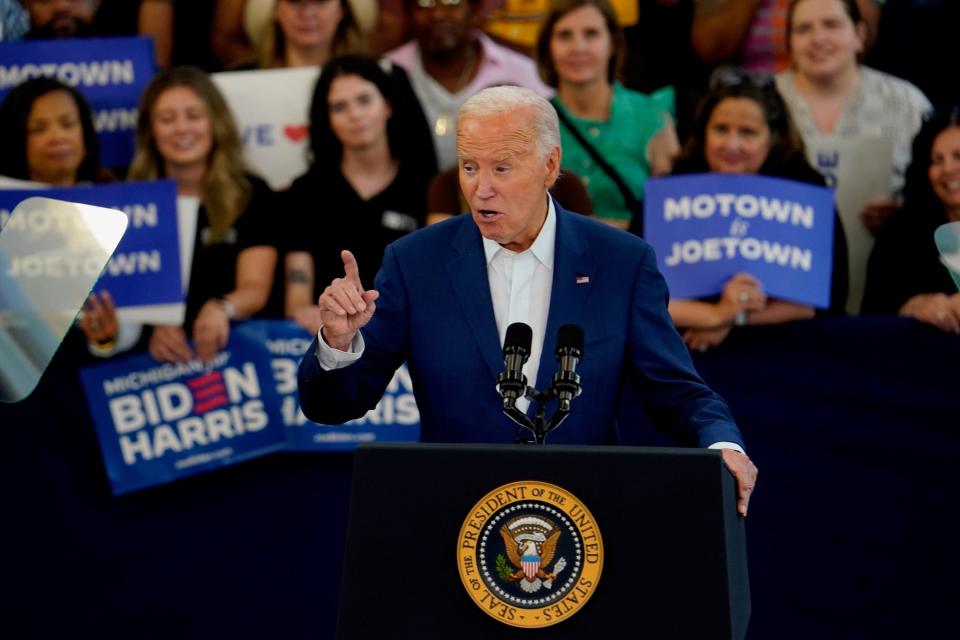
<point>518,335</point>
<point>570,336</point>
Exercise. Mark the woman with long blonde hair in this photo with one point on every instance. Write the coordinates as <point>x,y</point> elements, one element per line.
<point>186,133</point>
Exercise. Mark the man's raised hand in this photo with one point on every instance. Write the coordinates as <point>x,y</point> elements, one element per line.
<point>344,306</point>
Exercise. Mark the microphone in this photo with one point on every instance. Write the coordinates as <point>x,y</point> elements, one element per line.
<point>512,384</point>
<point>566,381</point>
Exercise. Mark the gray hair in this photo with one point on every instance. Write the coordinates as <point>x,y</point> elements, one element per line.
<point>495,100</point>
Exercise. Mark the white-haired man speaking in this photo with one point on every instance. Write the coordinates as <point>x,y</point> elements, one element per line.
<point>446,294</point>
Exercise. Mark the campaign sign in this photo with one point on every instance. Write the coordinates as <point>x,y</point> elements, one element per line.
<point>858,169</point>
<point>110,72</point>
<point>275,132</point>
<point>396,417</point>
<point>707,228</point>
<point>145,268</point>
<point>160,422</point>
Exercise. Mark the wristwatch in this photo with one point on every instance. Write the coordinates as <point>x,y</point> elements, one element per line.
<point>227,307</point>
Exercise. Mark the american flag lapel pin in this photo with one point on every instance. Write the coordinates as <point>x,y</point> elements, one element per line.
<point>583,279</point>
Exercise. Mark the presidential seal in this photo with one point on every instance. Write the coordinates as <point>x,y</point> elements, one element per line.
<point>530,554</point>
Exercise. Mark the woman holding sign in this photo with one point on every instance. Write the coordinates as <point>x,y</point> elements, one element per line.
<point>905,275</point>
<point>857,122</point>
<point>48,135</point>
<point>830,94</point>
<point>185,132</point>
<point>742,126</point>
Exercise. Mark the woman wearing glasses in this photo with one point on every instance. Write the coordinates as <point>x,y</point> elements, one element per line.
<point>742,127</point>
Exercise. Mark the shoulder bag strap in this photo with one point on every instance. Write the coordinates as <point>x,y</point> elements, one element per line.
<point>634,205</point>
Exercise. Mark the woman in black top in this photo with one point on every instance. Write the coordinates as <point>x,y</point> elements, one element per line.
<point>905,275</point>
<point>366,187</point>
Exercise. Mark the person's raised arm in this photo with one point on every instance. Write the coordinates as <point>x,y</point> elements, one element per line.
<point>227,37</point>
<point>345,307</point>
<point>720,26</point>
<point>871,12</point>
<point>155,19</point>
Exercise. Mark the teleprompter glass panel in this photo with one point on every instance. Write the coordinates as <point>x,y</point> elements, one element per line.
<point>947,237</point>
<point>51,254</point>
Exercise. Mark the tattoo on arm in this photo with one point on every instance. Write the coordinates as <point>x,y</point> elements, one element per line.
<point>298,276</point>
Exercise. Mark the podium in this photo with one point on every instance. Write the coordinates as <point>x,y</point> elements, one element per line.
<point>673,546</point>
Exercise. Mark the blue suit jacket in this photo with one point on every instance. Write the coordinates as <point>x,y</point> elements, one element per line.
<point>436,313</point>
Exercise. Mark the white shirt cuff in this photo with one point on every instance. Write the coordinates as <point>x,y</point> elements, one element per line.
<point>331,359</point>
<point>727,445</point>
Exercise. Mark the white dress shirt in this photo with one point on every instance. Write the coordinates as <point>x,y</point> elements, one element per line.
<point>520,286</point>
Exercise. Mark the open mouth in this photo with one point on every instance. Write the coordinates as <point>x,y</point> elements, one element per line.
<point>487,214</point>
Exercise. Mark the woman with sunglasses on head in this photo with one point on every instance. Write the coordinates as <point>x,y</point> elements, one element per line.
<point>579,52</point>
<point>743,127</point>
<point>905,275</point>
<point>185,132</point>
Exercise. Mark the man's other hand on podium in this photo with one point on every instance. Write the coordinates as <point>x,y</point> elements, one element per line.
<point>745,472</point>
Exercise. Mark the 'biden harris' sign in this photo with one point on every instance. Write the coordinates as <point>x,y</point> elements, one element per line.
<point>160,422</point>
<point>707,228</point>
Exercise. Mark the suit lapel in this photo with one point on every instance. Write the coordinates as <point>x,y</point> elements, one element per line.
<point>574,273</point>
<point>468,273</point>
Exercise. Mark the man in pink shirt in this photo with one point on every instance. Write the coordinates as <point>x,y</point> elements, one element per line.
<point>450,59</point>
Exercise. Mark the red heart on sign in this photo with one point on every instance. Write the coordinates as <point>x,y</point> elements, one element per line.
<point>296,133</point>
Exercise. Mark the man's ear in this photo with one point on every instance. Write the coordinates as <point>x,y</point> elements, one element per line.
<point>553,165</point>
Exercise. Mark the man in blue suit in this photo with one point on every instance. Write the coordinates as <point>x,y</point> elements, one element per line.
<point>446,294</point>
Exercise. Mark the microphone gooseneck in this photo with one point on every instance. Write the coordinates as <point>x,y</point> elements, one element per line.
<point>569,352</point>
<point>512,384</point>
<point>565,386</point>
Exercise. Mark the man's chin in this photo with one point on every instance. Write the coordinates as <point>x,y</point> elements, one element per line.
<point>62,28</point>
<point>489,224</point>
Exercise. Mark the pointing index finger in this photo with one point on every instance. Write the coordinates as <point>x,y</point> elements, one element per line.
<point>350,268</point>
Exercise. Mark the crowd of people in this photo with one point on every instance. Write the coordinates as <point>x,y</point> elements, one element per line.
<point>772,81</point>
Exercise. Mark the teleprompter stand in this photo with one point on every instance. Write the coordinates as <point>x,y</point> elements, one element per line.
<point>674,547</point>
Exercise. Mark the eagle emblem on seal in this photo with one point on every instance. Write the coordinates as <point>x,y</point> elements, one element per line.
<point>531,544</point>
